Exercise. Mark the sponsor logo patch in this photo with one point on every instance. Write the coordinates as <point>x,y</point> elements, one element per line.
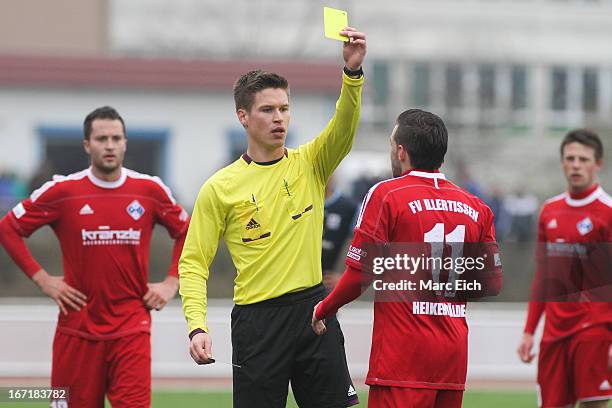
<point>497,259</point>
<point>351,391</point>
<point>135,209</point>
<point>19,211</point>
<point>552,224</point>
<point>105,236</point>
<point>585,226</point>
<point>356,253</point>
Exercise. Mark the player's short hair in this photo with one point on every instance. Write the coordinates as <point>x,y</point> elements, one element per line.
<point>424,136</point>
<point>104,112</point>
<point>252,82</point>
<point>584,137</point>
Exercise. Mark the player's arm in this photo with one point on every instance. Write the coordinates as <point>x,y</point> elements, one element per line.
<point>21,222</point>
<point>328,149</point>
<point>205,230</point>
<point>176,220</point>
<point>535,309</point>
<point>490,276</point>
<point>350,286</point>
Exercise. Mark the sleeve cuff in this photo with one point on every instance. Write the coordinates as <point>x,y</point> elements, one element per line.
<point>194,332</point>
<point>347,80</point>
<point>358,73</point>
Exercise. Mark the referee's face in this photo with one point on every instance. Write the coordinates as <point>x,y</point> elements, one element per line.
<point>268,119</point>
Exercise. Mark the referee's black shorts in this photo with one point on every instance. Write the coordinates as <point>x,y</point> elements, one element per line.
<point>274,344</point>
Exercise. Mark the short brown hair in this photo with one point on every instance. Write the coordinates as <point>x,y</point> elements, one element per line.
<point>424,136</point>
<point>104,112</point>
<point>252,82</point>
<point>584,137</point>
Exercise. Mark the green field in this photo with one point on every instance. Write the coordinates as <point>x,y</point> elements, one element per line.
<point>472,399</point>
<point>175,399</point>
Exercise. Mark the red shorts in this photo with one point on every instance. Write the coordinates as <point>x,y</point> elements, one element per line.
<point>91,369</point>
<point>403,397</point>
<point>575,369</point>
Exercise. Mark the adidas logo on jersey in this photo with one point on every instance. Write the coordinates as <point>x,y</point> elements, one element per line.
<point>252,224</point>
<point>86,210</point>
<point>605,386</point>
<point>351,391</point>
<point>552,224</point>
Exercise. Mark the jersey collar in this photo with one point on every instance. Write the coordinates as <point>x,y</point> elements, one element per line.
<point>574,202</point>
<point>107,184</point>
<point>432,175</point>
<point>248,159</point>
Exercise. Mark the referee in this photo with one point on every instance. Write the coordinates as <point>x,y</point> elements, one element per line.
<point>268,206</point>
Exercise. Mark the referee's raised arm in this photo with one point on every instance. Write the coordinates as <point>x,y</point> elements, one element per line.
<point>328,149</point>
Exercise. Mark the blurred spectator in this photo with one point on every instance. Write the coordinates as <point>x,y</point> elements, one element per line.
<point>43,174</point>
<point>11,191</point>
<point>467,182</point>
<point>495,201</point>
<point>522,207</point>
<point>338,223</point>
<point>362,185</point>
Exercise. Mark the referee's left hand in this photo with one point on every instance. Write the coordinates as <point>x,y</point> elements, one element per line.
<point>318,326</point>
<point>354,50</point>
<point>159,294</point>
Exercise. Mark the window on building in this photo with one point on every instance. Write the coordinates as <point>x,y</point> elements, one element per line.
<point>559,79</point>
<point>380,79</point>
<point>589,90</point>
<point>63,150</point>
<point>519,87</point>
<point>421,85</point>
<point>454,86</point>
<point>486,86</point>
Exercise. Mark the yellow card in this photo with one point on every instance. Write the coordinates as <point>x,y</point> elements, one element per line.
<point>335,21</point>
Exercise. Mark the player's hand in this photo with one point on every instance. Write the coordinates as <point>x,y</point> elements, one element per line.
<point>610,358</point>
<point>354,51</point>
<point>318,326</point>
<point>525,347</point>
<point>200,348</point>
<point>159,294</point>
<point>58,290</point>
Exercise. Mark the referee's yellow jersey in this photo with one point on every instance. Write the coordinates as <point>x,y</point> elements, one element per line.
<point>271,217</point>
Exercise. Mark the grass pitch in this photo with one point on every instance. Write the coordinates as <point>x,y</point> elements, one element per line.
<point>472,399</point>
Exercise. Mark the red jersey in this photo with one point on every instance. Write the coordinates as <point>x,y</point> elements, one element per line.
<point>419,344</point>
<point>104,230</point>
<point>570,228</point>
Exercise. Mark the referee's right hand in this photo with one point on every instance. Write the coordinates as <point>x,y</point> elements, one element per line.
<point>200,348</point>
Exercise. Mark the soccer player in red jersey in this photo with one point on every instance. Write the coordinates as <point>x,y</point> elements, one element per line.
<point>103,217</point>
<point>575,358</point>
<point>419,349</point>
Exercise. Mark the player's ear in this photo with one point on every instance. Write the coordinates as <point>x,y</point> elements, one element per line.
<point>86,146</point>
<point>243,117</point>
<point>401,153</point>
